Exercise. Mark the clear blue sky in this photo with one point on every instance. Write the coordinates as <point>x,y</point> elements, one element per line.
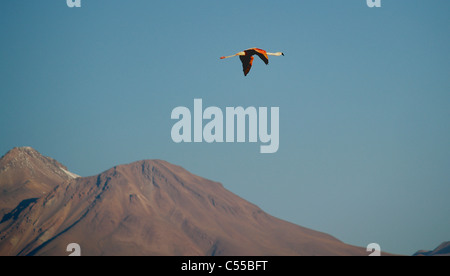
<point>364,97</point>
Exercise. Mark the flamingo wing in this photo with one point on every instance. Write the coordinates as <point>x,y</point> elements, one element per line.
<point>247,62</point>
<point>262,54</point>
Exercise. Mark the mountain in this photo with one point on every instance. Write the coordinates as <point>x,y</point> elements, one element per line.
<point>149,207</point>
<point>25,175</point>
<point>441,250</point>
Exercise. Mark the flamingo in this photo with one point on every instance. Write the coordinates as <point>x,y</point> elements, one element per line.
<point>246,57</point>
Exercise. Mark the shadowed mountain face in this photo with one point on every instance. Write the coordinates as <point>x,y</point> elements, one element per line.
<point>149,207</point>
<point>26,174</point>
<point>442,250</point>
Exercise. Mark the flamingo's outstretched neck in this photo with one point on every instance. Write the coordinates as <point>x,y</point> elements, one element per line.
<point>276,54</point>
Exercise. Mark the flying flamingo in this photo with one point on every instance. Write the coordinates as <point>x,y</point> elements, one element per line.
<point>247,57</point>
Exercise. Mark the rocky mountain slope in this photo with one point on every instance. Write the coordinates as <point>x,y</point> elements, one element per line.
<point>149,207</point>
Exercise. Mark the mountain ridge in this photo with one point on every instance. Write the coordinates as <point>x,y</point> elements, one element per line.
<point>152,207</point>
<point>25,174</point>
<point>442,250</point>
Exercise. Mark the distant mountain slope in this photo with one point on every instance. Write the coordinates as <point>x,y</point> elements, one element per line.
<point>442,250</point>
<point>148,207</point>
<point>25,174</point>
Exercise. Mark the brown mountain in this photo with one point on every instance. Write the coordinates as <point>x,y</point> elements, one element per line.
<point>25,174</point>
<point>442,250</point>
<point>149,207</point>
